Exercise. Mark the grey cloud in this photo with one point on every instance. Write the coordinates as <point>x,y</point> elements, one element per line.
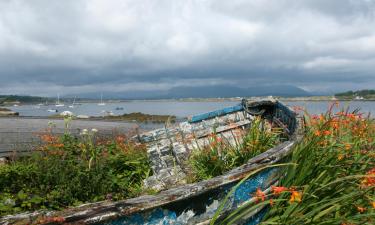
<point>80,45</point>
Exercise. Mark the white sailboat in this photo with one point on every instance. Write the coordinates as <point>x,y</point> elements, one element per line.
<point>74,102</point>
<point>101,100</point>
<point>58,104</point>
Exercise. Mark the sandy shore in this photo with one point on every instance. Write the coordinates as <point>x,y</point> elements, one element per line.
<point>20,134</point>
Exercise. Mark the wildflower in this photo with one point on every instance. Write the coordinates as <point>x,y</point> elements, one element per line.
<point>361,209</point>
<point>84,132</point>
<point>48,138</point>
<point>335,125</point>
<point>327,132</point>
<point>317,133</point>
<point>94,130</point>
<point>259,194</point>
<point>272,203</point>
<point>120,139</point>
<point>347,146</point>
<point>340,156</point>
<point>370,180</point>
<point>58,145</point>
<point>295,197</point>
<point>278,190</point>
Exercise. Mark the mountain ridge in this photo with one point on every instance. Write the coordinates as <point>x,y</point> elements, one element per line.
<point>217,91</point>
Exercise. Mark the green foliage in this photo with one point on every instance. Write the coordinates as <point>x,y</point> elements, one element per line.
<point>20,98</point>
<point>220,156</point>
<point>69,171</point>
<point>335,163</point>
<point>144,118</point>
<point>351,94</point>
<point>332,179</point>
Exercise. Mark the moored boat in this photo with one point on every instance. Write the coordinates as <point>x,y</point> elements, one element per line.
<point>194,203</point>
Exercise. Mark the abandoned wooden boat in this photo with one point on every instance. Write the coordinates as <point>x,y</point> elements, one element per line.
<point>193,203</point>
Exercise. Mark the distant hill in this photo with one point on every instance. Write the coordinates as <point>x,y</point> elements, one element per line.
<point>218,91</point>
<point>231,91</point>
<point>4,99</point>
<point>365,94</point>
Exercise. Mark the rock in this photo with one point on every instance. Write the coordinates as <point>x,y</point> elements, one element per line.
<point>8,113</point>
<point>83,117</point>
<point>66,113</point>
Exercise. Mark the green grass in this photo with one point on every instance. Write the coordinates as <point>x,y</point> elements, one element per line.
<point>220,156</point>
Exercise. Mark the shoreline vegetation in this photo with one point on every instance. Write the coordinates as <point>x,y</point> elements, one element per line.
<point>67,170</point>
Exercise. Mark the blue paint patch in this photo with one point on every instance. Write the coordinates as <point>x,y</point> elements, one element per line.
<point>163,216</point>
<point>245,191</point>
<point>154,217</point>
<point>216,113</point>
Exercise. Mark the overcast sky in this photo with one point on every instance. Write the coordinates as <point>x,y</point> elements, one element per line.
<point>77,46</point>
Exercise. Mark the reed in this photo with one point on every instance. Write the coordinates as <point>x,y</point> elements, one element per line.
<point>332,179</point>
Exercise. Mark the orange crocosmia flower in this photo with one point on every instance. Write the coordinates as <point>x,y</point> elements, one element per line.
<point>278,190</point>
<point>317,133</point>
<point>335,125</point>
<point>340,157</point>
<point>347,146</point>
<point>295,197</point>
<point>48,138</point>
<point>361,209</point>
<point>58,145</point>
<point>370,180</point>
<point>259,194</point>
<point>120,139</point>
<point>327,132</point>
<point>272,202</point>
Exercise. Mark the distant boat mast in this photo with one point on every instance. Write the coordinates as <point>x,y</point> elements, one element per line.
<point>58,104</point>
<point>101,100</point>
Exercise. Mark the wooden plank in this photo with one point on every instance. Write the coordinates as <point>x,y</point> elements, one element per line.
<point>213,114</point>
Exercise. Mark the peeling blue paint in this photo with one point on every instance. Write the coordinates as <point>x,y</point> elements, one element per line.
<point>216,113</point>
<point>245,191</point>
<point>170,214</point>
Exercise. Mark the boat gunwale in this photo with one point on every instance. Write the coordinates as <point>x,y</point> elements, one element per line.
<point>102,211</point>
